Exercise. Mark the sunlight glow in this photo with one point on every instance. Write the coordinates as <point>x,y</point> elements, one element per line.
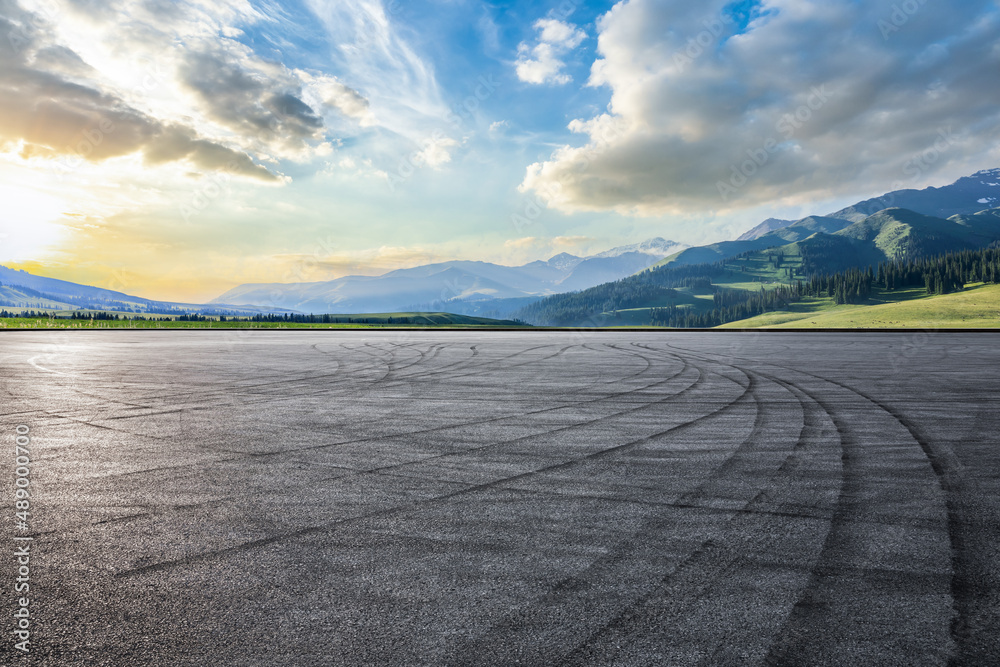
<point>29,222</point>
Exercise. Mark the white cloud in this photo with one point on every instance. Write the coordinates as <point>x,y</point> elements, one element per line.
<point>57,106</point>
<point>170,78</point>
<point>806,99</point>
<point>557,33</point>
<point>356,168</point>
<point>435,152</point>
<point>564,243</point>
<point>383,66</point>
<point>333,94</point>
<point>499,127</point>
<point>526,242</point>
<point>401,95</point>
<point>543,62</point>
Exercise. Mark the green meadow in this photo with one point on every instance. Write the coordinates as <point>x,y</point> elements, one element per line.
<point>347,321</point>
<point>975,307</point>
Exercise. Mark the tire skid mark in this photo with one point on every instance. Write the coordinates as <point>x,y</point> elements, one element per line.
<point>491,420</point>
<point>417,376</point>
<point>252,395</point>
<point>214,391</point>
<point>685,366</point>
<point>251,455</point>
<point>802,623</point>
<point>281,378</point>
<point>423,356</point>
<point>700,559</point>
<point>406,508</point>
<point>649,364</point>
<point>545,641</point>
<point>681,595</point>
<point>946,468</point>
<point>259,389</point>
<point>816,613</point>
<point>545,434</point>
<point>65,417</point>
<point>478,370</point>
<point>245,455</point>
<point>388,357</point>
<point>157,511</point>
<point>460,363</point>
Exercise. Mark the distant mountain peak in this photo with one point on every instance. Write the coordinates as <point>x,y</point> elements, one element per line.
<point>963,197</point>
<point>658,247</point>
<point>564,261</point>
<point>766,227</point>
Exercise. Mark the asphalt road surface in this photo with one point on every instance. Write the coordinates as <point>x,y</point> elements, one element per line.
<point>477,498</point>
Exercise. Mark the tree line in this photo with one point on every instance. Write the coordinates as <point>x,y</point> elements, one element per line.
<point>731,305</point>
<point>942,274</point>
<point>657,285</point>
<point>657,289</point>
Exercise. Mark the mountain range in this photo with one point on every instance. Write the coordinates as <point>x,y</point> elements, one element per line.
<point>961,215</point>
<point>966,196</point>
<point>20,289</point>
<point>462,287</point>
<point>465,287</point>
<point>781,251</point>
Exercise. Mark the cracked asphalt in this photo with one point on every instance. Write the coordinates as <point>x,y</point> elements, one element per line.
<point>505,498</point>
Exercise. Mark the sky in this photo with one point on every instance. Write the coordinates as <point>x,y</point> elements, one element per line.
<point>173,149</point>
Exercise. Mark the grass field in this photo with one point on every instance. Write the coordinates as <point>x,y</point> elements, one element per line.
<point>359,321</point>
<point>976,307</point>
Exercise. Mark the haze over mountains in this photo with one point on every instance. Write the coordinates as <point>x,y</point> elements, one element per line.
<point>959,216</point>
<point>20,289</point>
<point>463,287</point>
<point>478,288</point>
<point>466,287</point>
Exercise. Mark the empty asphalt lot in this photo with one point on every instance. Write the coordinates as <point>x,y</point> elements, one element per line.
<point>476,498</point>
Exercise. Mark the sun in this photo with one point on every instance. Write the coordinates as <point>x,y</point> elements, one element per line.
<point>29,222</point>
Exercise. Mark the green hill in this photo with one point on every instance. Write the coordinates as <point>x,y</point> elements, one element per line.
<point>898,232</point>
<point>715,252</point>
<point>889,234</point>
<point>977,306</point>
<point>17,296</point>
<point>730,288</point>
<point>979,228</point>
